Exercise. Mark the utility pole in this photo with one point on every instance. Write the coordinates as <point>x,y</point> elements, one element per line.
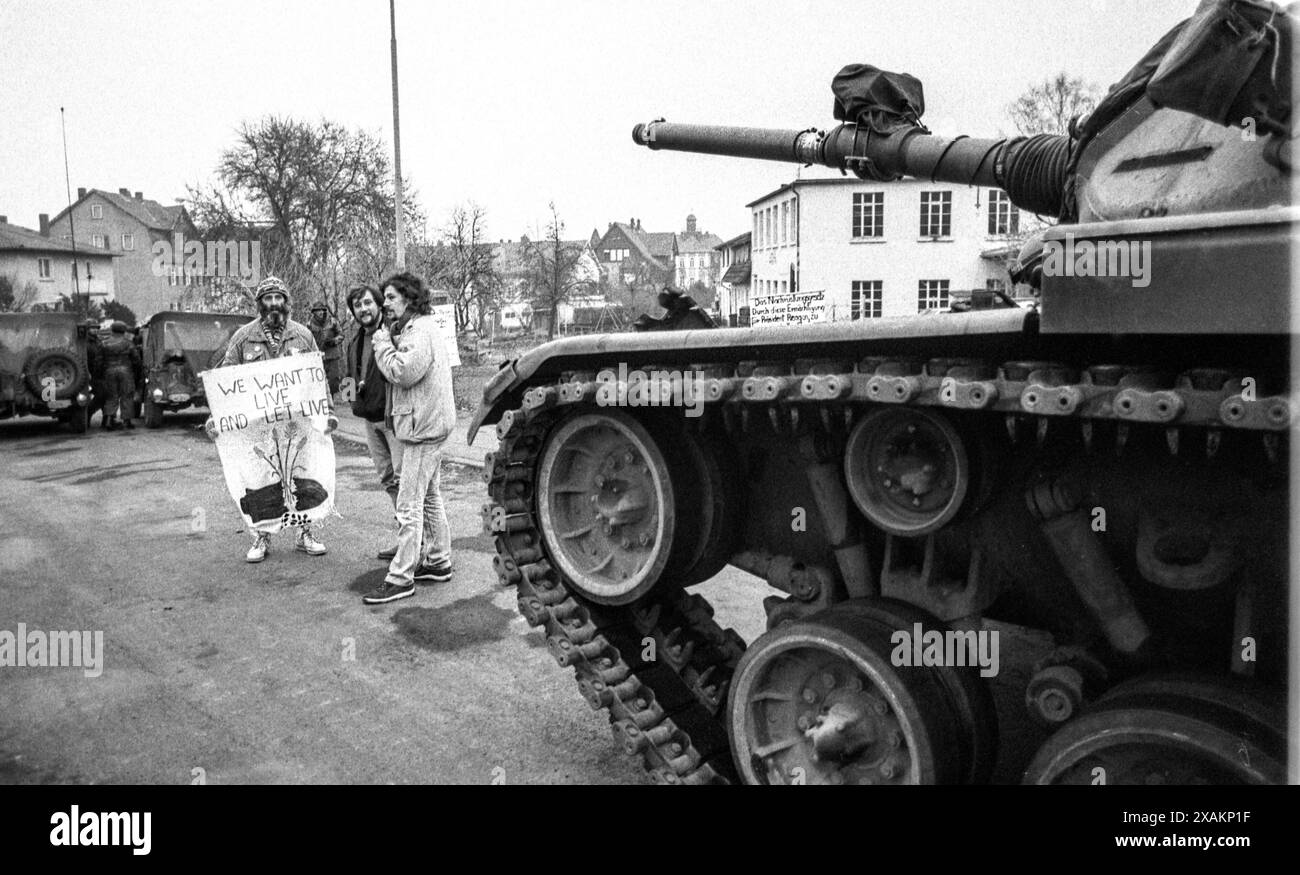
<point>67,182</point>
<point>397,142</point>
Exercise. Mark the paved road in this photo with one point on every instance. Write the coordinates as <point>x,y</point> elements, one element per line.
<point>239,670</point>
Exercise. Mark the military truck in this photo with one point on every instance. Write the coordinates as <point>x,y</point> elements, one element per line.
<point>44,369</point>
<point>178,347</point>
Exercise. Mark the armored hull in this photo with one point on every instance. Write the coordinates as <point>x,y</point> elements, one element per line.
<point>1111,468</point>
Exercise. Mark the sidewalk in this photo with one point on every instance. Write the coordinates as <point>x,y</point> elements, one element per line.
<point>456,449</point>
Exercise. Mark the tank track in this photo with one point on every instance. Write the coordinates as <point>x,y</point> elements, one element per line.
<point>669,710</point>
<point>660,666</point>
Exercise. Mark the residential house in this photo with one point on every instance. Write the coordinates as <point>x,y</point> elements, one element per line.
<point>632,259</point>
<point>520,288</point>
<point>128,226</point>
<point>826,249</point>
<point>733,287</point>
<point>41,267</point>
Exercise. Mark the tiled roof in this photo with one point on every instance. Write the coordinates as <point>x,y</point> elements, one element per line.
<point>660,243</point>
<point>655,247</point>
<point>737,274</point>
<point>15,237</point>
<point>149,213</point>
<point>697,241</point>
<point>735,241</point>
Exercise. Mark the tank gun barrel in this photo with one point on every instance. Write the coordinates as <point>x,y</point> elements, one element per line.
<point>1032,170</point>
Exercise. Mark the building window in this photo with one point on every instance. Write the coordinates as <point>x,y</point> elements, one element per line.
<point>128,242</point>
<point>1003,217</point>
<point>995,285</point>
<point>96,211</point>
<point>97,240</point>
<point>932,295</point>
<point>616,254</point>
<point>868,214</point>
<point>785,222</point>
<point>936,213</point>
<point>43,268</point>
<point>865,303</point>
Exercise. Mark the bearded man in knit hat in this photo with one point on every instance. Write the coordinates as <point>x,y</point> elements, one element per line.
<point>272,335</point>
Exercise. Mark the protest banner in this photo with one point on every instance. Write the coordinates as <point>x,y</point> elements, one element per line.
<point>271,417</point>
<point>444,320</point>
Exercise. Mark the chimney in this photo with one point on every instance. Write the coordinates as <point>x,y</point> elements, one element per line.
<point>124,192</point>
<point>690,224</point>
<point>45,224</point>
<point>81,192</point>
<point>139,195</point>
<point>4,220</point>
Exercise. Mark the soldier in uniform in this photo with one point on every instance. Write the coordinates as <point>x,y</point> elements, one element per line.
<point>121,364</point>
<point>95,361</point>
<point>270,336</point>
<point>328,341</point>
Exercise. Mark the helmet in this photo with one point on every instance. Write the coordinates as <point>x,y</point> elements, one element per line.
<point>118,327</point>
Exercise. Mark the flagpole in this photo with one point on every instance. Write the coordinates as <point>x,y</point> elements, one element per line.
<point>397,143</point>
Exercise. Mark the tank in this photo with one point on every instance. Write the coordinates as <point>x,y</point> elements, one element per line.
<point>1104,476</point>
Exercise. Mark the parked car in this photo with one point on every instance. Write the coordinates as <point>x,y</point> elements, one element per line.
<point>178,347</point>
<point>44,369</point>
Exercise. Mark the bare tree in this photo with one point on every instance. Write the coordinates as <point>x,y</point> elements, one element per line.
<point>320,197</point>
<point>1048,107</point>
<point>555,270</point>
<point>464,262</point>
<point>14,299</point>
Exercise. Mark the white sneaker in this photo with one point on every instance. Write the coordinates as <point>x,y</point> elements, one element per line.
<point>260,548</point>
<point>309,545</point>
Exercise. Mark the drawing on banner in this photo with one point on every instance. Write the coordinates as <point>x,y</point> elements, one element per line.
<point>277,459</point>
<point>792,308</point>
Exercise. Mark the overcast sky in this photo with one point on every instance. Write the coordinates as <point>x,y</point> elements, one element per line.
<point>513,104</point>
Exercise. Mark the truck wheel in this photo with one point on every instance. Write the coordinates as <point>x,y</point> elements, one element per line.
<point>64,366</point>
<point>153,415</point>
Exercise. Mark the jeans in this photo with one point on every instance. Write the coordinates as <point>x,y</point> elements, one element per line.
<point>420,513</point>
<point>386,455</point>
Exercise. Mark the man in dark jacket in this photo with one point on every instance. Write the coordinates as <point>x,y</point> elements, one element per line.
<point>121,364</point>
<point>368,404</point>
<point>329,340</point>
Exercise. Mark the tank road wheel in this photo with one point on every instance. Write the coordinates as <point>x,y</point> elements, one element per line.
<point>968,693</point>
<point>907,469</point>
<point>818,701</point>
<point>608,505</point>
<point>1169,730</point>
<point>720,498</point>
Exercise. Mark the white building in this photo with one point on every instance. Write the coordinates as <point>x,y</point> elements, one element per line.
<point>834,249</point>
<point>733,286</point>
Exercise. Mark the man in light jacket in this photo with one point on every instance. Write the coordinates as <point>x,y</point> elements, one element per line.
<point>421,411</point>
